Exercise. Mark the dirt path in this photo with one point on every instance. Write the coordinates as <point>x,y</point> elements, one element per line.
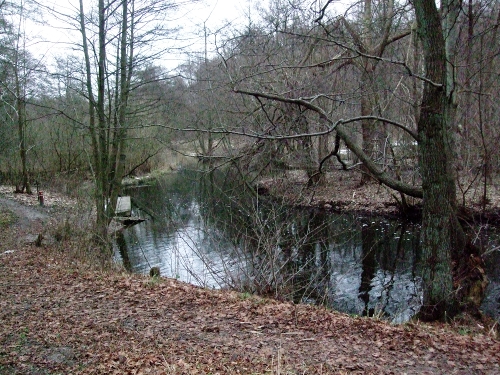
<point>59,317</point>
<point>28,224</point>
<point>26,215</point>
<point>31,219</point>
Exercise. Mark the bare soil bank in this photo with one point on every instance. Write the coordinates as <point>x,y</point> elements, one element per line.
<point>341,191</point>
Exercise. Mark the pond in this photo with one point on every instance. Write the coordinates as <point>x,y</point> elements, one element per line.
<point>212,230</point>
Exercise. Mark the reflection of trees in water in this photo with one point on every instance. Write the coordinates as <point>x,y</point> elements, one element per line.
<point>287,253</point>
<point>168,199</point>
<point>225,202</point>
<point>259,230</point>
<point>387,253</point>
<point>270,248</point>
<point>250,224</point>
<point>122,248</point>
<point>389,285</point>
<point>167,203</point>
<point>368,237</point>
<point>306,254</point>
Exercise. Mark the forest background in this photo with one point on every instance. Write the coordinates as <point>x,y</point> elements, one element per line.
<point>403,92</point>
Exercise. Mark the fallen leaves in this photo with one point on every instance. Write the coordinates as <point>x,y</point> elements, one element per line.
<point>51,199</point>
<point>85,322</point>
<point>58,317</point>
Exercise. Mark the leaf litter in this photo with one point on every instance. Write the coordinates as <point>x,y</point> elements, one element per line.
<point>62,317</point>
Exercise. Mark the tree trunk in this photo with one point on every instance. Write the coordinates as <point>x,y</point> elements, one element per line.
<point>21,117</point>
<point>368,127</point>
<point>21,125</point>
<point>118,157</point>
<point>107,118</point>
<point>442,236</point>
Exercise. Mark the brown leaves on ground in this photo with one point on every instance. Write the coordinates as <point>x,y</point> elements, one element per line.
<point>61,318</point>
<point>58,318</point>
<point>341,191</point>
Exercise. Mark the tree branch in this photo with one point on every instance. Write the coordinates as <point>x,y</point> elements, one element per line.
<point>305,103</point>
<point>355,36</point>
<point>322,11</point>
<point>338,125</point>
<point>141,163</point>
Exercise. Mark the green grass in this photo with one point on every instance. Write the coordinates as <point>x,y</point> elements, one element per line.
<point>245,295</point>
<point>464,331</point>
<point>154,280</point>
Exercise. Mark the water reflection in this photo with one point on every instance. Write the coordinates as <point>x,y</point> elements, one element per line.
<point>213,230</point>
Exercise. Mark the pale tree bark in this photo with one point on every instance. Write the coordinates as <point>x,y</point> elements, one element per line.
<point>21,131</point>
<point>102,152</point>
<point>118,156</point>
<point>99,201</point>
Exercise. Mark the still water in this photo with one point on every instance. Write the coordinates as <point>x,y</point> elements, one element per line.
<point>210,229</point>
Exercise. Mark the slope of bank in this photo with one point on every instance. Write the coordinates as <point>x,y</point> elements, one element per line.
<point>59,319</point>
<point>61,316</point>
<point>341,191</point>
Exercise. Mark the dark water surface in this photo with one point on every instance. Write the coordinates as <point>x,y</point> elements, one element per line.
<point>212,230</point>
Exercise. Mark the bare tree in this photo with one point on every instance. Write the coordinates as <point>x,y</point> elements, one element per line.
<point>20,67</point>
<point>442,235</point>
<point>119,41</point>
<point>476,99</point>
<point>369,42</point>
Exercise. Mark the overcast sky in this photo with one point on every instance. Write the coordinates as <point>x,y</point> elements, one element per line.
<point>216,12</point>
<point>214,16</point>
<point>54,38</point>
